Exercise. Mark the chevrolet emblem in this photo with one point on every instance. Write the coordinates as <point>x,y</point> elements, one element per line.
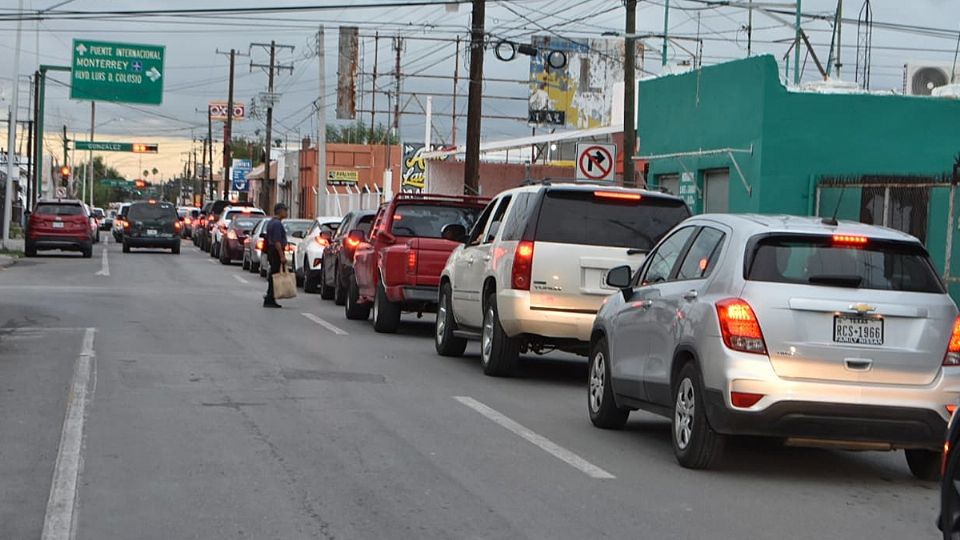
<point>862,309</point>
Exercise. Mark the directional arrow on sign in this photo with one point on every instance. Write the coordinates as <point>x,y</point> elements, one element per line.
<point>81,49</point>
<point>153,74</point>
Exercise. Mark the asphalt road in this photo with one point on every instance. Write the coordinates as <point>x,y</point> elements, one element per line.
<point>206,416</point>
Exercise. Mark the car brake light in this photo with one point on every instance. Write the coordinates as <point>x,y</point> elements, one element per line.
<point>321,241</point>
<point>951,408</point>
<point>352,243</point>
<point>126,224</point>
<point>944,459</point>
<point>412,262</point>
<point>187,221</point>
<point>232,235</point>
<point>290,247</point>
<point>260,244</point>
<point>176,226</point>
<point>952,358</point>
<point>739,326</point>
<point>849,240</point>
<point>744,400</point>
<point>522,266</point>
<point>620,195</point>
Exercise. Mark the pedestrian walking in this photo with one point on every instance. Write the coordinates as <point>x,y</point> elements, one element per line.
<point>275,244</point>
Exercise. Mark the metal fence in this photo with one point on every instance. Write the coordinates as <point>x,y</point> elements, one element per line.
<point>338,204</point>
<point>923,206</point>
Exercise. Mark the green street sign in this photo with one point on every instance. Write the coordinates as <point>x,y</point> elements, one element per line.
<point>125,72</point>
<point>112,182</point>
<point>103,146</point>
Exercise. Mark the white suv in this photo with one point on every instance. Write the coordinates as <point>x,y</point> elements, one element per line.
<point>226,216</point>
<point>532,273</point>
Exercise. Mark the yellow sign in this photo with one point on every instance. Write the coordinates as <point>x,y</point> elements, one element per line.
<point>343,177</point>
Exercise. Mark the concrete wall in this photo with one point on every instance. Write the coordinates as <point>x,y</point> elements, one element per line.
<point>368,161</point>
<point>446,177</point>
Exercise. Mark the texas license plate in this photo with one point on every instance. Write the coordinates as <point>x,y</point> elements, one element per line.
<point>57,224</point>
<point>857,330</point>
<point>151,232</point>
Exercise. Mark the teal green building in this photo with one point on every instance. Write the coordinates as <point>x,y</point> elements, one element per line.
<point>732,138</point>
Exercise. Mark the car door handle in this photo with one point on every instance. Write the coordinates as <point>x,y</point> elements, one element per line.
<point>470,260</point>
<point>691,295</point>
<point>642,304</point>
<point>486,258</point>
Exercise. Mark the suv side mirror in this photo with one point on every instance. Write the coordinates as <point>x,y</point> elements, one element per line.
<point>620,277</point>
<point>357,236</point>
<point>326,236</point>
<point>297,234</point>
<point>454,232</point>
<point>263,235</point>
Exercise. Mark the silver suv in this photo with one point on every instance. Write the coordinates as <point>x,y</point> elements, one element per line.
<point>819,333</point>
<point>530,276</point>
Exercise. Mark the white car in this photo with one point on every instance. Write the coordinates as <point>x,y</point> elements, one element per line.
<point>221,227</point>
<point>531,274</point>
<point>308,257</point>
<point>295,229</point>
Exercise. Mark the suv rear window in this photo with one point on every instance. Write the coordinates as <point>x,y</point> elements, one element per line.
<point>427,220</point>
<point>581,217</point>
<point>142,212</point>
<point>245,223</point>
<point>54,209</point>
<point>817,260</point>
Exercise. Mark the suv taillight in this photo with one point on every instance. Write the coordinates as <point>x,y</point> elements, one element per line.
<point>412,261</point>
<point>739,326</point>
<point>952,358</point>
<point>259,244</point>
<point>522,266</point>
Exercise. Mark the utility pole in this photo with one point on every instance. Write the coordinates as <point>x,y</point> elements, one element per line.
<point>228,125</point>
<point>630,95</point>
<point>749,28</point>
<point>796,50</point>
<point>666,32</point>
<point>373,92</point>
<point>456,81</point>
<point>271,99</point>
<point>320,196</point>
<point>12,136</point>
<point>209,156</point>
<point>36,156</point>
<point>471,168</point>
<point>93,117</point>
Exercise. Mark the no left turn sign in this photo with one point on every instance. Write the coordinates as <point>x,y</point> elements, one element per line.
<point>596,161</point>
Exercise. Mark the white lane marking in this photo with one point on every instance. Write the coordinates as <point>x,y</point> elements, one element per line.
<point>325,324</point>
<point>104,264</point>
<point>544,443</point>
<point>211,261</point>
<point>240,279</point>
<point>60,520</point>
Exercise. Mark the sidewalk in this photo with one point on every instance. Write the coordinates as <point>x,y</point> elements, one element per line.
<point>14,244</point>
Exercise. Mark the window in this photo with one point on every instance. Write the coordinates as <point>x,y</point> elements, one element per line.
<point>497,219</point>
<point>427,220</point>
<point>702,255</point>
<point>907,212</point>
<point>816,260</point>
<point>584,218</point>
<point>670,183</point>
<point>665,257</point>
<point>342,228</point>
<point>245,224</point>
<point>59,210</point>
<point>481,224</point>
<point>523,205</point>
<point>143,212</point>
<point>364,224</point>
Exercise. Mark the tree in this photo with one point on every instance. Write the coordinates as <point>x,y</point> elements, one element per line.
<point>155,171</point>
<point>146,173</point>
<point>102,194</point>
<point>360,133</point>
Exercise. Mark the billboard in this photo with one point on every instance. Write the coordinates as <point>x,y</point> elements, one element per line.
<point>414,168</point>
<point>218,110</point>
<point>578,95</point>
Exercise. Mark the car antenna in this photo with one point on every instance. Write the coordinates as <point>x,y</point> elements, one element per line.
<point>832,221</point>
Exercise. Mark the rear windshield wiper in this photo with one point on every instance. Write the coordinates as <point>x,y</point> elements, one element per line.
<point>838,280</point>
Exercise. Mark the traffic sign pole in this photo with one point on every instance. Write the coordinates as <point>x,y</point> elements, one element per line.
<point>38,138</point>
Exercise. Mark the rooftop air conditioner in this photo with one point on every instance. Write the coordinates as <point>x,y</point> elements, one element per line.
<point>920,79</point>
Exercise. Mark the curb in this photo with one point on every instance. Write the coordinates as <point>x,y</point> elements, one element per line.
<point>7,261</point>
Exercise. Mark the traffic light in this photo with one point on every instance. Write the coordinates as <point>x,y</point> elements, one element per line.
<point>64,174</point>
<point>142,148</point>
<point>140,184</point>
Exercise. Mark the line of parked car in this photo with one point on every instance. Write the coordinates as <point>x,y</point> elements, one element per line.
<point>807,331</point>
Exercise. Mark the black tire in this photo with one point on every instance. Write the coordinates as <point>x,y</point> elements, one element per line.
<point>386,314</point>
<point>445,342</point>
<point>339,291</point>
<point>602,406</point>
<point>326,291</point>
<point>215,250</point>
<point>924,464</point>
<point>30,249</point>
<point>87,252</point>
<point>175,249</point>
<point>353,309</point>
<point>126,247</point>
<point>695,444</point>
<point>298,278</point>
<point>246,263</point>
<point>261,270</point>
<point>254,267</point>
<point>499,352</point>
<point>223,256</point>
<point>311,280</point>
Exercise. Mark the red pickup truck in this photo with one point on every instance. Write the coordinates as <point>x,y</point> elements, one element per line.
<point>398,268</point>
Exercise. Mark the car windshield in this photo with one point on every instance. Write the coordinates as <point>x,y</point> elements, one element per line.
<point>59,210</point>
<point>143,212</point>
<point>427,221</point>
<point>298,225</point>
<point>245,223</point>
<point>595,219</point>
<point>818,260</point>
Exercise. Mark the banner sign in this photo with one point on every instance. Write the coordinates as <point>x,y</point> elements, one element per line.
<point>414,176</point>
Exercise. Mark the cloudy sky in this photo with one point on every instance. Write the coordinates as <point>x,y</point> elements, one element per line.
<point>918,30</point>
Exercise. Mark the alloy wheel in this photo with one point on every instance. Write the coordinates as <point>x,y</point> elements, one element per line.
<point>441,318</point>
<point>683,413</point>
<point>486,340</point>
<point>598,377</point>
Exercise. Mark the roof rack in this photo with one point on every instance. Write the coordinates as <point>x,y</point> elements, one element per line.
<point>439,197</point>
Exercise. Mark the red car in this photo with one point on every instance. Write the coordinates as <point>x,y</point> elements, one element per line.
<point>59,224</point>
<point>398,268</point>
<point>236,234</point>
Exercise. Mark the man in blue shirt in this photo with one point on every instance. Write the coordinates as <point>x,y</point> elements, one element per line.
<point>276,242</point>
